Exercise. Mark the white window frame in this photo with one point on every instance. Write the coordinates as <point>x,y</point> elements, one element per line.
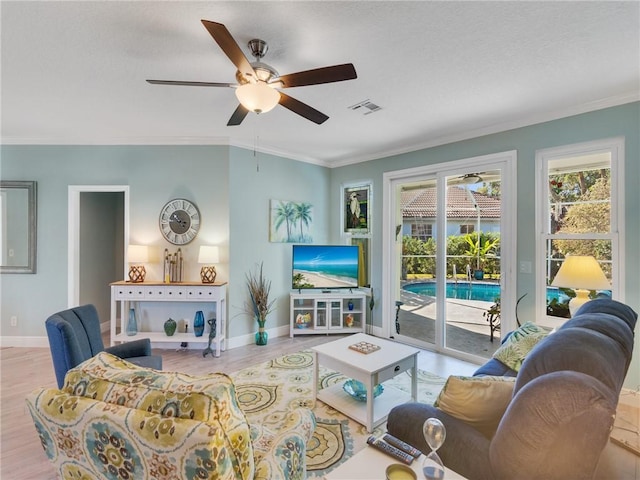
<point>615,147</point>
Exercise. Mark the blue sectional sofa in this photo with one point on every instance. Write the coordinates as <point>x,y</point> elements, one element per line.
<point>560,412</point>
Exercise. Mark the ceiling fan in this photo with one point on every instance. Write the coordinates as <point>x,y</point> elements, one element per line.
<point>466,179</point>
<point>476,177</point>
<point>258,83</point>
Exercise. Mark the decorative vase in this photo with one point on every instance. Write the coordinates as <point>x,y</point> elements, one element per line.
<point>261,335</point>
<point>350,305</point>
<point>170,327</point>
<point>198,323</point>
<point>132,324</point>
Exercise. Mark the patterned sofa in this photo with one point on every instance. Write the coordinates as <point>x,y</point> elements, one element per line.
<point>115,420</point>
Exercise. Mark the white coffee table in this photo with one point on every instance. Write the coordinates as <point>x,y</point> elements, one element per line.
<point>370,369</point>
<point>370,463</point>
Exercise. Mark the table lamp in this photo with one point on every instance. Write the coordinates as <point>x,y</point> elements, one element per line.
<point>208,255</point>
<point>581,273</point>
<point>136,255</point>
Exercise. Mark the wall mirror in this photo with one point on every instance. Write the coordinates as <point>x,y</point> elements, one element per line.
<point>18,223</point>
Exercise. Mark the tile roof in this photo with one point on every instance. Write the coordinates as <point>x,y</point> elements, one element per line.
<point>422,203</point>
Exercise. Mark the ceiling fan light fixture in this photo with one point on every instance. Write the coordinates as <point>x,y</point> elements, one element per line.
<point>471,178</point>
<point>257,97</point>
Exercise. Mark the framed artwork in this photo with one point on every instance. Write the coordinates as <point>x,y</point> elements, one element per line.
<point>290,222</point>
<point>356,201</point>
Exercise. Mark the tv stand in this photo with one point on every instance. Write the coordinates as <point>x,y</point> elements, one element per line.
<point>326,312</point>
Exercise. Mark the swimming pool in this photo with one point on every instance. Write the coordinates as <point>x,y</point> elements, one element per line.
<point>485,292</point>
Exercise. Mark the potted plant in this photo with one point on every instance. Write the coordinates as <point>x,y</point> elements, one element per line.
<point>479,250</point>
<point>260,306</point>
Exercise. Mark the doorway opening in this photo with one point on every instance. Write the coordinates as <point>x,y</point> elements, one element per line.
<point>98,234</point>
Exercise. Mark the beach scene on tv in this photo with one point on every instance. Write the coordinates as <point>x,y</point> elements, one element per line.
<point>325,266</point>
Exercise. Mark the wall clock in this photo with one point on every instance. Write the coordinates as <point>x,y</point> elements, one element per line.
<point>179,221</point>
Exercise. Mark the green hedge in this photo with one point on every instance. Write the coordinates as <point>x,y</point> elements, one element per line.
<point>419,257</point>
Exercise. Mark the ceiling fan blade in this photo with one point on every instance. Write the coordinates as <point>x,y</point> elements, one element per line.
<point>191,84</point>
<point>336,73</point>
<point>230,47</point>
<point>302,109</point>
<point>238,116</point>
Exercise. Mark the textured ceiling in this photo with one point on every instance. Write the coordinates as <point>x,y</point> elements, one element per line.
<point>74,72</point>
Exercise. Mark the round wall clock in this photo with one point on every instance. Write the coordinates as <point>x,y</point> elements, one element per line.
<point>179,221</point>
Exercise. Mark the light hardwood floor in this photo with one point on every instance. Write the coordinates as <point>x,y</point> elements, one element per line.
<point>24,369</point>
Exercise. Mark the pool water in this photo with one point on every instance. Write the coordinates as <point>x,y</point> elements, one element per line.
<point>484,292</point>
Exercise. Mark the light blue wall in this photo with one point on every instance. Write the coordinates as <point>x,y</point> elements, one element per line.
<point>612,122</point>
<point>231,187</point>
<point>256,181</point>
<point>233,196</point>
<point>154,175</point>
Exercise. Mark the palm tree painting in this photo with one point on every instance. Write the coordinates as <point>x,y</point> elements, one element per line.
<point>291,222</point>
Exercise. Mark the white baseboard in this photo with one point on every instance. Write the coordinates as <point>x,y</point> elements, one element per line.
<point>235,342</point>
<point>250,338</point>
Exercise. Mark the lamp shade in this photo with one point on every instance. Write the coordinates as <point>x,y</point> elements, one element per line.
<point>581,272</point>
<point>138,254</point>
<point>208,254</point>
<point>257,97</point>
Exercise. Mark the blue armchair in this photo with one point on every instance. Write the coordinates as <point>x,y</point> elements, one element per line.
<point>74,336</point>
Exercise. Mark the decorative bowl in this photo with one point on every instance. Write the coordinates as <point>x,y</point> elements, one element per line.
<point>358,390</point>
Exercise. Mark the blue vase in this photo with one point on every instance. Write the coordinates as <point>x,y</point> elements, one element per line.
<point>132,324</point>
<point>262,337</point>
<point>198,323</point>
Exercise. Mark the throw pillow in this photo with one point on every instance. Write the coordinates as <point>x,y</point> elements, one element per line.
<point>478,401</point>
<point>515,348</point>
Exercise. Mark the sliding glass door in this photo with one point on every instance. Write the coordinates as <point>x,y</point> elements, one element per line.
<point>446,256</point>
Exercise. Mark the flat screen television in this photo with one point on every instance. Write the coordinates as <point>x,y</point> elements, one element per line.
<point>325,266</point>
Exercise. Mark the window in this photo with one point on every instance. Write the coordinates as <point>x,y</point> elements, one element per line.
<point>578,192</point>
<point>422,231</point>
<point>464,229</point>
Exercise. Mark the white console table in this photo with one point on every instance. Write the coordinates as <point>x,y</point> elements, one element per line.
<point>127,292</point>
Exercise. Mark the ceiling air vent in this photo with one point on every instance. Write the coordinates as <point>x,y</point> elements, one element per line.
<point>365,107</point>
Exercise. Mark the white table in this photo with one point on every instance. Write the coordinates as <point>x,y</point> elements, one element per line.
<point>370,463</point>
<point>370,369</point>
<point>167,293</point>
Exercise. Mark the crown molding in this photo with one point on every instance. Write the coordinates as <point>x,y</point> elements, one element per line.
<point>351,160</point>
<point>499,127</point>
